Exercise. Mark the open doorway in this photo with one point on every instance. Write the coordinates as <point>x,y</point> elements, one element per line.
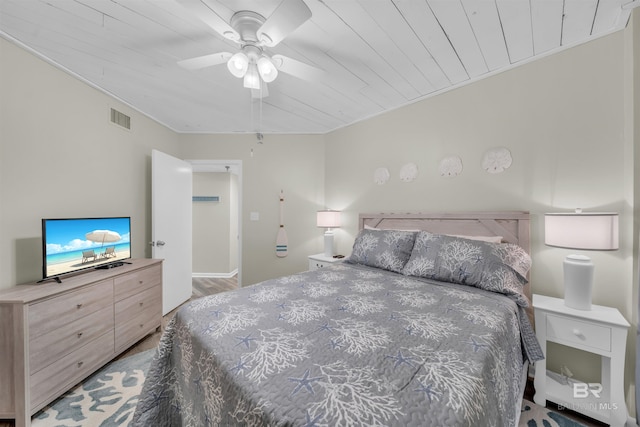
<point>217,221</point>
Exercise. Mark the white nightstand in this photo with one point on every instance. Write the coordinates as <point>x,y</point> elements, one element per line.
<point>319,260</point>
<point>603,331</point>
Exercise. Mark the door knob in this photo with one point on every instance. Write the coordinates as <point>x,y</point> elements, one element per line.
<point>160,243</point>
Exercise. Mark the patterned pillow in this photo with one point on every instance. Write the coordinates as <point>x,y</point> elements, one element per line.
<point>496,267</point>
<point>387,249</point>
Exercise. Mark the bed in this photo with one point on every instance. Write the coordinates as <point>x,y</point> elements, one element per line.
<point>422,325</point>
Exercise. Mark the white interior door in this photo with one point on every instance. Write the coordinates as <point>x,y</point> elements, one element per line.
<point>171,201</point>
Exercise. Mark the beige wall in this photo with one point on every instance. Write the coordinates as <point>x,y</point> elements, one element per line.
<point>562,118</point>
<point>215,249</point>
<point>292,163</point>
<point>61,157</point>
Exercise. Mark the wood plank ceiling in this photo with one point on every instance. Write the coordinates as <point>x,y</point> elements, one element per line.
<point>377,55</point>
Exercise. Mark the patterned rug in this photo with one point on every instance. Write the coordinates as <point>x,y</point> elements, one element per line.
<point>109,397</point>
<point>537,416</point>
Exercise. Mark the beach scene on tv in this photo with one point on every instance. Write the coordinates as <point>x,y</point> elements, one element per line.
<point>75,244</point>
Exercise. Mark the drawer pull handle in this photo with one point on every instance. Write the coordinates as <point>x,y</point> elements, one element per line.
<point>78,306</point>
<point>141,325</point>
<point>79,334</point>
<point>80,364</point>
<point>141,304</point>
<point>141,281</point>
<point>578,333</point>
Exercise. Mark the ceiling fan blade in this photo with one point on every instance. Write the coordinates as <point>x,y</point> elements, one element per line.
<point>207,15</point>
<point>205,61</point>
<point>298,69</point>
<point>288,16</point>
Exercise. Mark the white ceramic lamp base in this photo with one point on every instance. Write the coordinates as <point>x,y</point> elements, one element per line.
<point>578,282</point>
<point>328,243</point>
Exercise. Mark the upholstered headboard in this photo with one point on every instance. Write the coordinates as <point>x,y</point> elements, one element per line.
<point>513,226</point>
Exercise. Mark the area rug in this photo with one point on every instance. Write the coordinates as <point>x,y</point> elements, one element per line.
<point>108,398</point>
<point>537,416</point>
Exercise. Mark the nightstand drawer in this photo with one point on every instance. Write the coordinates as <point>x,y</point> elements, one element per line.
<point>561,329</point>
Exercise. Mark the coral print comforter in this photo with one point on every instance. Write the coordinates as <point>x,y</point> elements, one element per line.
<point>346,345</point>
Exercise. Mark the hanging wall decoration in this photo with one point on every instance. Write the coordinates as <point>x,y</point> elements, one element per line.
<point>409,172</point>
<point>496,160</point>
<point>450,166</point>
<point>381,176</point>
<point>282,242</point>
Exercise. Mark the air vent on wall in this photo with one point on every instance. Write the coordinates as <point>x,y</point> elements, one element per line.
<point>120,119</point>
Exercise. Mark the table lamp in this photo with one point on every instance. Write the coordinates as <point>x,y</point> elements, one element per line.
<point>328,219</point>
<point>586,231</point>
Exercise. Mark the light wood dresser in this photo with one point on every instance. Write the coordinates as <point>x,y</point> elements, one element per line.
<point>53,335</point>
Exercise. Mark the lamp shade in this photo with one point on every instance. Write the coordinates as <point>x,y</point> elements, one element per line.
<point>577,230</point>
<point>328,219</point>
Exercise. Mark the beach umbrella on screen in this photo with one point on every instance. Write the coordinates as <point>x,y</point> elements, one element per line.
<point>103,236</point>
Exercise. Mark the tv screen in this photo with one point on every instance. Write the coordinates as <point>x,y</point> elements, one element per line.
<point>73,244</point>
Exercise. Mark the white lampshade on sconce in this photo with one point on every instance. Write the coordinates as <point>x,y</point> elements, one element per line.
<point>586,231</point>
<point>328,219</point>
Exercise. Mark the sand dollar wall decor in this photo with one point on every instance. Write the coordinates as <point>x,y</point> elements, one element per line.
<point>381,176</point>
<point>496,160</point>
<point>409,172</point>
<point>451,166</point>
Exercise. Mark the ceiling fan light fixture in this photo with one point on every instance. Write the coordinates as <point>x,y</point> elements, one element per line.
<point>267,69</point>
<point>238,64</point>
<point>252,78</point>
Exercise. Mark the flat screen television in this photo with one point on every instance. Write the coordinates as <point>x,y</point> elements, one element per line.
<point>74,244</point>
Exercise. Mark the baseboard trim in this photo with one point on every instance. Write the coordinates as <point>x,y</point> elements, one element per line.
<point>215,275</point>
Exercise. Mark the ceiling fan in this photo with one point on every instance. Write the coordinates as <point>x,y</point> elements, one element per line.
<point>254,34</point>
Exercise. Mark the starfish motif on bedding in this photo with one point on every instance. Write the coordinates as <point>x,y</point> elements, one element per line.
<point>428,390</point>
<point>400,359</point>
<point>336,344</point>
<point>325,327</point>
<point>245,340</point>
<point>240,366</point>
<point>305,382</point>
<point>311,422</point>
<point>476,345</point>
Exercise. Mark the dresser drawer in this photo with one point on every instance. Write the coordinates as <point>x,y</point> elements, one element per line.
<point>561,329</point>
<point>133,283</point>
<point>68,371</point>
<point>131,307</point>
<point>54,313</point>
<point>48,348</point>
<point>132,330</point>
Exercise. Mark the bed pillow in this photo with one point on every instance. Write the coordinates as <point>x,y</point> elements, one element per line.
<point>387,249</point>
<point>496,267</point>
